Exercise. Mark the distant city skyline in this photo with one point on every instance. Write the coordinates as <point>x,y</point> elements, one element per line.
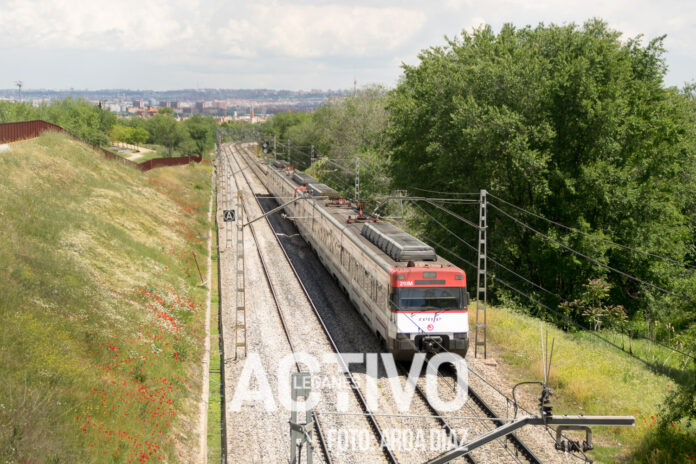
<point>281,44</point>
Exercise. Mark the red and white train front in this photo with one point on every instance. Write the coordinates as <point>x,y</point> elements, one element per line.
<point>429,307</point>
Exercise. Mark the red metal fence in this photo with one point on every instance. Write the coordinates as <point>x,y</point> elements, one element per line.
<point>162,162</point>
<point>15,131</point>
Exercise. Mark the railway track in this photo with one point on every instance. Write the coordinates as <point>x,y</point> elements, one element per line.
<point>349,377</point>
<point>520,449</point>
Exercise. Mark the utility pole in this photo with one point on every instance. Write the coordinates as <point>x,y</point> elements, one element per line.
<point>240,331</point>
<point>275,148</point>
<point>481,279</point>
<point>289,156</point>
<point>357,181</point>
<point>402,193</point>
<point>311,154</point>
<point>19,90</point>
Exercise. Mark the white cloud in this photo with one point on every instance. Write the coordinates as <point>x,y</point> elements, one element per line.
<point>313,31</point>
<point>457,4</point>
<point>281,28</point>
<point>122,25</point>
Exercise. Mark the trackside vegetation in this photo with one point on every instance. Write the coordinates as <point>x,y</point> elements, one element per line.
<point>581,146</point>
<point>101,315</point>
<point>591,378</point>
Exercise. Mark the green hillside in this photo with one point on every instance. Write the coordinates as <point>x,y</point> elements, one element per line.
<point>101,312</point>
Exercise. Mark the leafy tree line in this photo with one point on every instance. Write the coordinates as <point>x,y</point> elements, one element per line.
<point>189,137</point>
<point>77,116</point>
<point>98,126</point>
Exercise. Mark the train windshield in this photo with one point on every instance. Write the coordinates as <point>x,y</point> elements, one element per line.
<point>429,298</point>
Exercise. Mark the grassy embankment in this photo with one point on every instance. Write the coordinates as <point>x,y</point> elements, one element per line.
<point>101,312</point>
<point>590,377</point>
<point>215,379</point>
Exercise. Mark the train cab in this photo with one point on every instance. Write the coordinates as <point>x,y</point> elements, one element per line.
<point>429,304</point>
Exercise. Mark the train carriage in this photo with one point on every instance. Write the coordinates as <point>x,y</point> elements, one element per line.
<point>412,299</point>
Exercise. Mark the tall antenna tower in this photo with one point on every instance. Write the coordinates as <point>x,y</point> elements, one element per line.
<point>19,89</point>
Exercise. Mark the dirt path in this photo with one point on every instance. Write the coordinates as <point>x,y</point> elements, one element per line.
<point>139,152</point>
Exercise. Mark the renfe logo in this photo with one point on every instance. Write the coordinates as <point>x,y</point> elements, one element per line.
<point>446,321</point>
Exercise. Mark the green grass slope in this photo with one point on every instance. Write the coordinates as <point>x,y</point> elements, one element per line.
<point>590,377</point>
<point>101,308</point>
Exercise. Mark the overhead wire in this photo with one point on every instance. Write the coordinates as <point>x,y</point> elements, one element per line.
<point>443,193</point>
<point>495,262</point>
<point>452,213</point>
<point>444,226</point>
<point>594,260</point>
<point>592,236</point>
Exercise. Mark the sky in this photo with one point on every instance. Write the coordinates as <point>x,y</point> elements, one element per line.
<point>284,44</point>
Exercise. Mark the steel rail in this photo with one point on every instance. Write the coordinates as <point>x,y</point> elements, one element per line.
<point>318,427</point>
<point>354,385</point>
<point>469,458</point>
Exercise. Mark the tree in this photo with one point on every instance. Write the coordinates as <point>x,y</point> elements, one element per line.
<point>165,130</point>
<point>592,305</point>
<point>279,124</point>
<point>202,131</point>
<point>571,123</point>
<point>132,135</point>
<point>138,136</point>
<point>344,129</point>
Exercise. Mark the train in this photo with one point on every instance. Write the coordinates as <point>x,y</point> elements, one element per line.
<point>412,299</point>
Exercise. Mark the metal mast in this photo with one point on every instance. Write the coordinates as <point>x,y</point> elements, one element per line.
<point>19,90</point>
<point>357,181</point>
<point>240,311</point>
<point>481,279</point>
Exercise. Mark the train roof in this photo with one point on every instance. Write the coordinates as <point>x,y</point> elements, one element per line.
<point>322,190</point>
<point>399,245</point>
<point>300,178</point>
<point>393,245</point>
